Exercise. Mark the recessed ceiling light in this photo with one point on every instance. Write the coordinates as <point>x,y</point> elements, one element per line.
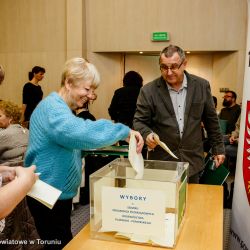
<point>141,52</point>
<point>188,52</point>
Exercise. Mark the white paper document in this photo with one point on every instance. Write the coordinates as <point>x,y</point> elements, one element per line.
<point>164,146</point>
<point>133,211</point>
<point>44,193</point>
<point>136,160</point>
<point>167,240</point>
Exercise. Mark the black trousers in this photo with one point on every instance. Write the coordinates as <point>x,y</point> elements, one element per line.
<point>194,179</point>
<point>53,225</point>
<point>92,164</point>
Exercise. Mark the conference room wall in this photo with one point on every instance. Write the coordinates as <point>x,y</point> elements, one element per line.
<point>214,29</point>
<point>38,32</point>
<point>196,25</point>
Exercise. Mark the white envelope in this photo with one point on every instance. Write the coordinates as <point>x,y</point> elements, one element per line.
<point>164,146</point>
<point>44,193</point>
<point>136,160</point>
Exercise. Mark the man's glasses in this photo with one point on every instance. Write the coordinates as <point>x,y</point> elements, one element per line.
<point>173,67</point>
<point>226,96</point>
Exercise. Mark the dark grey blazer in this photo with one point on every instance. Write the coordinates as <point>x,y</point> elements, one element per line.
<point>155,113</point>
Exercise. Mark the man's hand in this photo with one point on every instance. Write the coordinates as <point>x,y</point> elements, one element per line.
<point>219,159</point>
<point>150,141</point>
<point>233,140</point>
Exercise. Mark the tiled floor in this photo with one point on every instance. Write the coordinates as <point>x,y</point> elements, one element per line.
<point>79,218</point>
<point>226,228</point>
<point>227,216</point>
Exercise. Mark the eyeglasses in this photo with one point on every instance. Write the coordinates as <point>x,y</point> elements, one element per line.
<point>226,96</point>
<point>173,67</point>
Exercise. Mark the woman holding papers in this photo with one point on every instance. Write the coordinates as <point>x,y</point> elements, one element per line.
<point>57,137</point>
<point>16,223</point>
<point>17,181</point>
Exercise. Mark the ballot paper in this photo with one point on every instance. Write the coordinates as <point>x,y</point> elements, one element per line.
<point>166,241</point>
<point>136,160</point>
<point>164,146</point>
<point>44,193</point>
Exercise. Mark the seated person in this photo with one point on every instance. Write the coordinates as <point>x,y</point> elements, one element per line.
<point>231,148</point>
<point>231,111</point>
<point>17,222</point>
<point>13,137</point>
<point>17,182</point>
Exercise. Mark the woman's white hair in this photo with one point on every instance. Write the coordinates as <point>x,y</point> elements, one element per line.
<point>77,69</point>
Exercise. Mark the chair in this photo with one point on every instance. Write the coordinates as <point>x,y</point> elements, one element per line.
<point>223,126</point>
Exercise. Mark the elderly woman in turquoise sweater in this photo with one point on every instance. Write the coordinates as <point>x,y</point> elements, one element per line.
<point>57,137</point>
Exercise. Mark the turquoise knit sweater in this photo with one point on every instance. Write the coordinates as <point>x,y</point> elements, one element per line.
<point>56,139</point>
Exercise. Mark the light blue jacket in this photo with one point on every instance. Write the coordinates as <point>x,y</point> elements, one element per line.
<point>56,139</point>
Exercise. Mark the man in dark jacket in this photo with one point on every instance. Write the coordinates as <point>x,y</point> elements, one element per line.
<point>173,106</point>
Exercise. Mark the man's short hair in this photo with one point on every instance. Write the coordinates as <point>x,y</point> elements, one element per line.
<point>234,95</point>
<point>171,49</point>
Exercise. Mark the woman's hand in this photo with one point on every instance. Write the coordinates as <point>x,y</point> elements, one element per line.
<point>139,140</point>
<point>27,175</point>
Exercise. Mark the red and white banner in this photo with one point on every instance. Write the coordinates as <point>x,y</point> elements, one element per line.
<point>240,223</point>
<point>246,153</point>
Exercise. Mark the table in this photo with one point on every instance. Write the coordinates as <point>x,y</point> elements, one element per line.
<point>202,229</point>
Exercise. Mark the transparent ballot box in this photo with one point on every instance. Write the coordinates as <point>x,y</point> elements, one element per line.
<point>146,211</point>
